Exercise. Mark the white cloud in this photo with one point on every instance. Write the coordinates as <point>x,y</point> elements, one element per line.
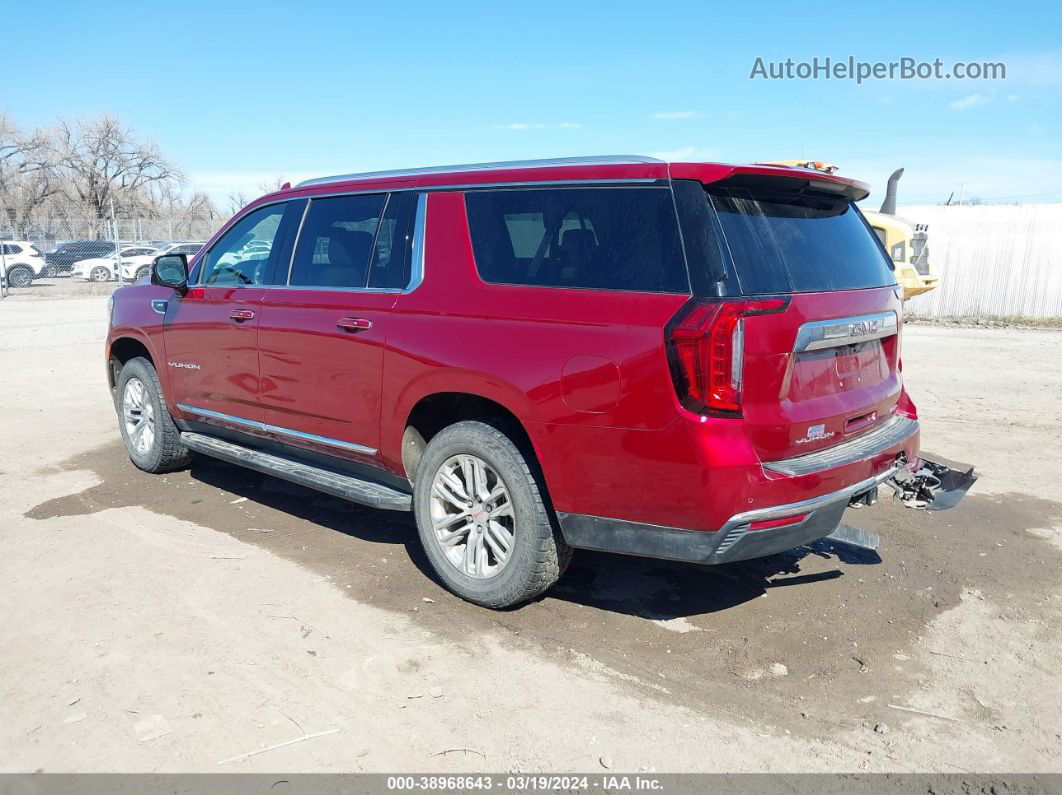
<point>675,114</point>
<point>219,184</point>
<point>687,154</point>
<point>1042,69</point>
<point>538,125</point>
<point>972,101</point>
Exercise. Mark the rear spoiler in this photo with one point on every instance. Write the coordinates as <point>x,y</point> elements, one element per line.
<point>763,176</point>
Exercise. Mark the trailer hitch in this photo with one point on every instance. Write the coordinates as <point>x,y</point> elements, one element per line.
<point>920,483</point>
<point>934,486</point>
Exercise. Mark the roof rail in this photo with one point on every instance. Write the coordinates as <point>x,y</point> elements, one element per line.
<point>597,160</point>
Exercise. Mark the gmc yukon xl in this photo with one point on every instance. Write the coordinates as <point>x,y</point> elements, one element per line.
<point>691,361</point>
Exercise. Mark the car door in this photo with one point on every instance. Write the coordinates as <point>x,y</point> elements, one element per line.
<point>322,333</point>
<point>211,332</point>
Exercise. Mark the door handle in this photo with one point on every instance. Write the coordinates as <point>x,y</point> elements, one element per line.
<point>240,315</point>
<point>353,324</point>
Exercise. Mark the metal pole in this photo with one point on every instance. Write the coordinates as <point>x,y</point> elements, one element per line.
<point>117,246</point>
<point>3,259</point>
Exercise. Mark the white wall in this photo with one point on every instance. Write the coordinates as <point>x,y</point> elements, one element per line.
<point>993,260</point>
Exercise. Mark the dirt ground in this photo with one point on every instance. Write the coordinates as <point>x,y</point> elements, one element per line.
<point>188,622</point>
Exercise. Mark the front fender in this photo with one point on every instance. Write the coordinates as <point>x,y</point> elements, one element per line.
<point>133,318</point>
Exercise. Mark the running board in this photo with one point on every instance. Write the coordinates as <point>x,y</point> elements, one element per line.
<point>344,486</point>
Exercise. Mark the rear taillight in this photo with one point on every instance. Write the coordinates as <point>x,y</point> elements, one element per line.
<point>706,344</point>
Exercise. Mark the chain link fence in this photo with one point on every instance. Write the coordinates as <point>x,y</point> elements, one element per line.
<point>21,240</point>
<point>48,233</point>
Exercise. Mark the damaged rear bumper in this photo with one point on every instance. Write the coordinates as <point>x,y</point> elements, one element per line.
<point>933,485</point>
<point>920,483</point>
<point>752,534</point>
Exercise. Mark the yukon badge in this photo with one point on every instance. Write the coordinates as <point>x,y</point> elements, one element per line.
<point>184,365</point>
<point>815,433</point>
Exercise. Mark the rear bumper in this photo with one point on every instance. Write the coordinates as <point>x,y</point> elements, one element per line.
<point>734,541</point>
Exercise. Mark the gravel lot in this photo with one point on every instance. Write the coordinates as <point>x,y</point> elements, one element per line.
<point>172,623</point>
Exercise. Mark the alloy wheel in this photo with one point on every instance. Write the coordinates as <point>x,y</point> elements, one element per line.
<point>472,516</point>
<point>138,413</point>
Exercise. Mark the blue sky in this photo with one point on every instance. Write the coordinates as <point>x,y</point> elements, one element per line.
<point>237,92</point>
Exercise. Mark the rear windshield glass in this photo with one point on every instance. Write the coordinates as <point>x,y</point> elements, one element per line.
<point>789,243</point>
<point>618,238</point>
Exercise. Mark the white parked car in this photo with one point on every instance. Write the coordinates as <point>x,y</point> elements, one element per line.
<point>105,269</point>
<point>22,261</point>
<point>135,271</point>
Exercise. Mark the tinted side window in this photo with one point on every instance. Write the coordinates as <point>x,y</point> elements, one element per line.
<point>390,257</point>
<point>336,240</point>
<point>241,256</point>
<point>596,238</point>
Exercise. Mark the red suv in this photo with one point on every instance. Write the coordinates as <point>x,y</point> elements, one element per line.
<point>689,361</point>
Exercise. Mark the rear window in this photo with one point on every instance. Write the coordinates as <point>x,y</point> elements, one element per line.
<point>621,238</point>
<point>798,243</point>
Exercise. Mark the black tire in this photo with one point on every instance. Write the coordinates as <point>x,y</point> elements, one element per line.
<point>20,276</point>
<point>48,272</point>
<point>140,274</point>
<point>538,555</point>
<point>165,453</point>
<point>99,274</point>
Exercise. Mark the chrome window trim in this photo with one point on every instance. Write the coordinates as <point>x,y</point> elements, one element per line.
<point>416,255</point>
<point>845,331</point>
<point>295,245</point>
<point>276,429</point>
<point>558,162</point>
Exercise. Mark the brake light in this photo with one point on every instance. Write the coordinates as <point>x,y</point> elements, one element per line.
<point>706,350</point>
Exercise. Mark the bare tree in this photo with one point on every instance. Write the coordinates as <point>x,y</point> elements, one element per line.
<point>272,185</point>
<point>237,201</point>
<point>104,161</point>
<point>59,184</point>
<point>28,175</point>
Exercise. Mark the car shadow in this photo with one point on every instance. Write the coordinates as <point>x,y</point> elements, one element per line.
<point>342,516</point>
<point>655,590</point>
<point>660,590</point>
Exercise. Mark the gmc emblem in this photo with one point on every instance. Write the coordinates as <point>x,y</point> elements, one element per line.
<point>863,327</point>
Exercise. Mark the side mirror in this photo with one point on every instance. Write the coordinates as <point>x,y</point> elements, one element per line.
<point>171,270</point>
